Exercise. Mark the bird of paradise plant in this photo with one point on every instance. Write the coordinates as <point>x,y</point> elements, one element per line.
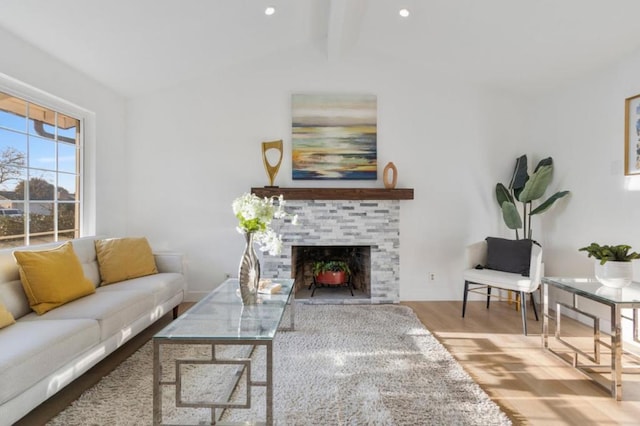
<point>526,189</point>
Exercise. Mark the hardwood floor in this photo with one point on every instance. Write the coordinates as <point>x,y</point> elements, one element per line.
<point>531,385</point>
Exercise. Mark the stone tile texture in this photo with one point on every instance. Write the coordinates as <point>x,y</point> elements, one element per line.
<point>349,222</point>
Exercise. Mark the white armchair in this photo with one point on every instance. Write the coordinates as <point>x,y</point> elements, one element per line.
<point>477,279</point>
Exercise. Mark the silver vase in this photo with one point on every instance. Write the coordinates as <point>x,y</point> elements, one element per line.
<point>249,273</point>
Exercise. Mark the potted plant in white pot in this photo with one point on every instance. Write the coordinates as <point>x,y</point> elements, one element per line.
<point>614,268</point>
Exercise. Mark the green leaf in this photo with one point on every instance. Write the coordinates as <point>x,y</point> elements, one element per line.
<point>548,203</point>
<point>536,185</point>
<point>520,175</point>
<point>619,253</point>
<point>502,194</point>
<point>511,216</point>
<point>544,162</point>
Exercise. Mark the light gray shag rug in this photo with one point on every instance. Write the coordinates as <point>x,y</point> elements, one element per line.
<point>344,365</point>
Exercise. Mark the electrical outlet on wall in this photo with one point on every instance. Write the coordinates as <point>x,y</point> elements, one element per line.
<point>431,276</point>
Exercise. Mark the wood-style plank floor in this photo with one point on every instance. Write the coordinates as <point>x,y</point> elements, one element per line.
<point>532,386</point>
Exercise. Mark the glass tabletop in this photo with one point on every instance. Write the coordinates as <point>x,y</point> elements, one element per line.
<point>593,289</point>
<point>221,315</point>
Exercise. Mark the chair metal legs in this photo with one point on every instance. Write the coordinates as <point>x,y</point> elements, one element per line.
<point>522,296</point>
<point>533,303</point>
<point>523,306</point>
<point>464,297</point>
<point>466,293</point>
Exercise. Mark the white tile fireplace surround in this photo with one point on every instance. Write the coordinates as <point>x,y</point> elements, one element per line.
<point>374,223</point>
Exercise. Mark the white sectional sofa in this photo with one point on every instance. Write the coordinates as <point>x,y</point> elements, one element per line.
<point>40,354</point>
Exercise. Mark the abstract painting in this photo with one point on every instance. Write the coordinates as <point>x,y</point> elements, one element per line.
<point>632,136</point>
<point>334,136</point>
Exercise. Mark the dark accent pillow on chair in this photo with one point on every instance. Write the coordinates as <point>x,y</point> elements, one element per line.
<point>508,255</point>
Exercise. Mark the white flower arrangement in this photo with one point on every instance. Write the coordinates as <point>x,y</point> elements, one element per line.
<point>255,215</point>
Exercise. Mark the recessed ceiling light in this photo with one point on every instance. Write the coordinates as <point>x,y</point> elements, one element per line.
<point>270,11</point>
<point>404,13</point>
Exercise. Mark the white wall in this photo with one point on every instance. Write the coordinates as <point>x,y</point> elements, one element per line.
<point>582,128</point>
<point>105,172</point>
<point>167,165</point>
<point>192,149</point>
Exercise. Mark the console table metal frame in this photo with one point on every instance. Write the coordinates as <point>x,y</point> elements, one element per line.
<point>573,286</point>
<point>244,364</point>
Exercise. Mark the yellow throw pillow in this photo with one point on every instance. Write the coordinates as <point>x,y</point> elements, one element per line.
<point>6,318</point>
<point>121,259</point>
<point>51,278</point>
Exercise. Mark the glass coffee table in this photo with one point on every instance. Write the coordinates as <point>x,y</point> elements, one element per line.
<point>221,319</point>
<point>616,300</point>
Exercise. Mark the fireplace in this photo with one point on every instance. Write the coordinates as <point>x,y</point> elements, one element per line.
<point>371,223</point>
<point>358,258</point>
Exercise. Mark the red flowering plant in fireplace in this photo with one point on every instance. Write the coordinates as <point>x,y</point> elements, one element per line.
<point>331,272</point>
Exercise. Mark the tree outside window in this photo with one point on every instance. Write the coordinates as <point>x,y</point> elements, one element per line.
<point>39,173</point>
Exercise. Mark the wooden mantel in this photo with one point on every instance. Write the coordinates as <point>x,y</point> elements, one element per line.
<point>335,193</point>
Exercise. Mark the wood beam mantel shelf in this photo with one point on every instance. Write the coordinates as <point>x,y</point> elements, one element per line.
<point>335,193</point>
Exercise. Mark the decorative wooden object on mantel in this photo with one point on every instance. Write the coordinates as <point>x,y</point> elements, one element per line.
<point>390,182</point>
<point>272,169</point>
<point>336,193</point>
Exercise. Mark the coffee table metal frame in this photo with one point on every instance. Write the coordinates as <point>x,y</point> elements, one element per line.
<point>616,300</point>
<point>250,326</point>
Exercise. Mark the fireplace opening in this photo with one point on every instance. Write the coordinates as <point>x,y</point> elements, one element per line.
<point>357,257</point>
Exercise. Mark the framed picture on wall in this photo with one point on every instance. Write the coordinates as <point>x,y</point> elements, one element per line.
<point>632,136</point>
<point>334,136</point>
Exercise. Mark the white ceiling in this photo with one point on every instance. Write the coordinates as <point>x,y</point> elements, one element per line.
<point>139,46</point>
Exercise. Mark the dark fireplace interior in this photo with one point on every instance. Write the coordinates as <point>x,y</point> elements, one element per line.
<point>357,257</point>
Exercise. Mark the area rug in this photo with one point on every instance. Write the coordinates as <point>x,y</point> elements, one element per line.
<point>343,365</point>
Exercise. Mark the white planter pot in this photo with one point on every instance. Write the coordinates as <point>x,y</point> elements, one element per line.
<point>614,274</point>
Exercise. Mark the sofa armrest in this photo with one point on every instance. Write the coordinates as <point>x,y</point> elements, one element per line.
<point>169,262</point>
<point>476,254</point>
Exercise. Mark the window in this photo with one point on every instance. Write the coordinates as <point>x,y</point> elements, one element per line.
<point>40,173</point>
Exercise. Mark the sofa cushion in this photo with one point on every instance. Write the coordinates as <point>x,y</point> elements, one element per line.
<point>31,350</point>
<point>13,297</point>
<point>114,311</point>
<point>508,255</point>
<point>86,251</point>
<point>6,319</point>
<point>52,277</point>
<point>121,259</point>
<point>162,286</point>
<point>505,280</point>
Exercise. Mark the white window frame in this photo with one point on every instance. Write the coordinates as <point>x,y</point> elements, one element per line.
<point>87,146</point>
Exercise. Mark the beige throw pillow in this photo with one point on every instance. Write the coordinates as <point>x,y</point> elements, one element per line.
<point>121,259</point>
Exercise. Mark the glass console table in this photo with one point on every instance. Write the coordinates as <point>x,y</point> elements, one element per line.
<point>221,319</point>
<point>616,300</point>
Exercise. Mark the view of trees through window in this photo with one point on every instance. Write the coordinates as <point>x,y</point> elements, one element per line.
<point>39,173</point>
